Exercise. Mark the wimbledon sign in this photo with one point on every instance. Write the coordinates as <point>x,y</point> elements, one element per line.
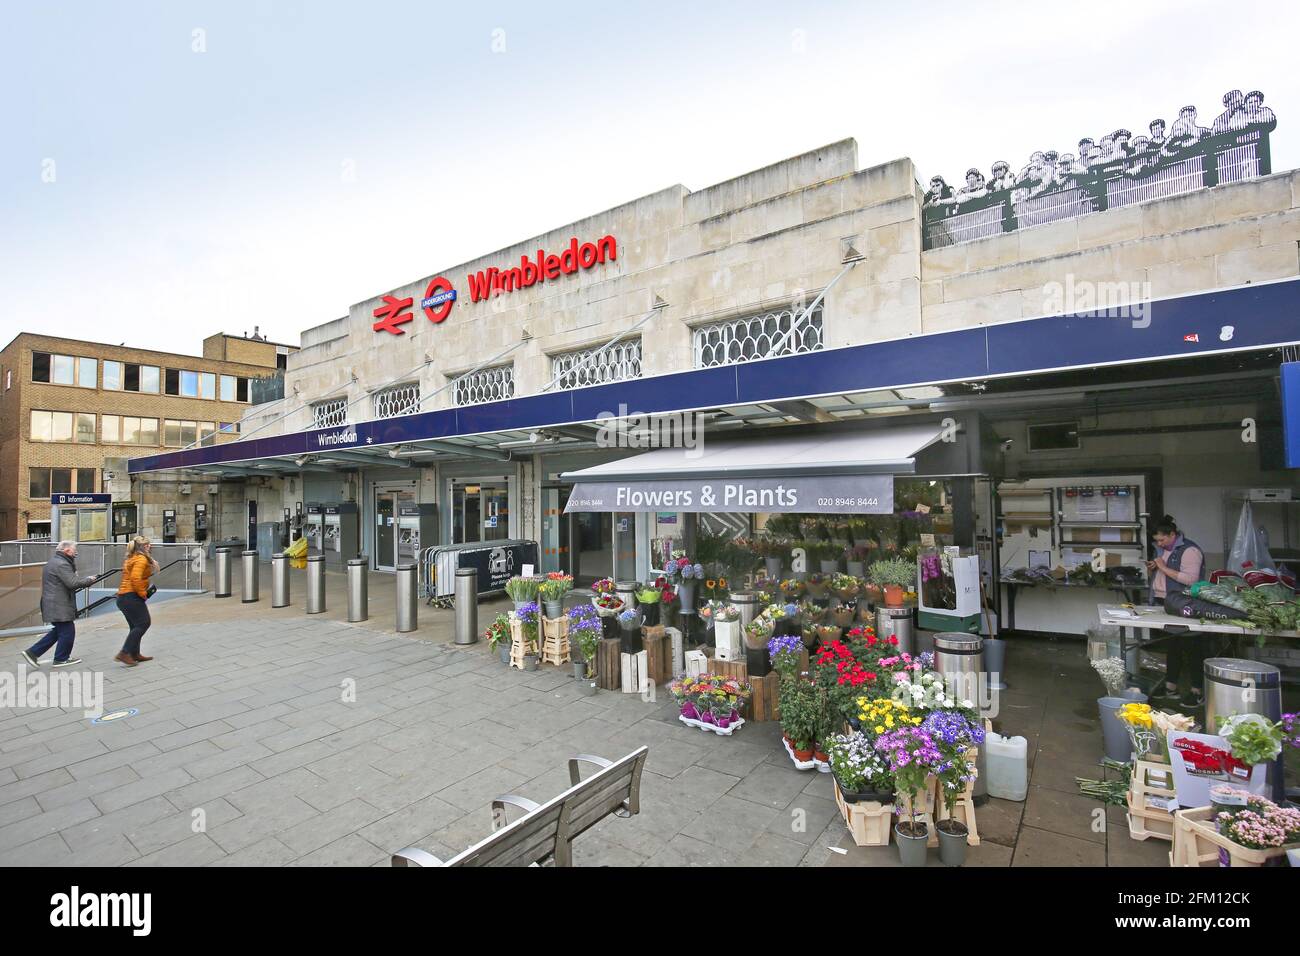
<point>831,494</point>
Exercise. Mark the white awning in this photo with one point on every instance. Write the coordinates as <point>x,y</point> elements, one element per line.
<point>833,472</point>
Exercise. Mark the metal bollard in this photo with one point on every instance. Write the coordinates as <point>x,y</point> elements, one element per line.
<point>279,580</point>
<point>358,589</point>
<point>222,586</point>
<point>466,605</point>
<point>250,577</point>
<point>316,584</point>
<point>407,594</point>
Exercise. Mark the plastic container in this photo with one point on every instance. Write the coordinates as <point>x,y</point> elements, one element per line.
<point>1007,765</point>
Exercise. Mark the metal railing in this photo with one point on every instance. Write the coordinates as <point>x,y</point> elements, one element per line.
<point>1229,157</point>
<point>183,568</point>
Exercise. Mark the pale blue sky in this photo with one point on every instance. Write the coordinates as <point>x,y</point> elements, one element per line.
<point>317,154</point>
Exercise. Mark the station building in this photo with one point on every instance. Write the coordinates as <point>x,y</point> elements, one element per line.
<point>822,321</point>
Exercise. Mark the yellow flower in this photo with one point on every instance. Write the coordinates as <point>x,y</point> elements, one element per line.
<point>879,729</point>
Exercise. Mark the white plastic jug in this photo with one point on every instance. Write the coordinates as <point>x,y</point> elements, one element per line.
<point>1007,766</point>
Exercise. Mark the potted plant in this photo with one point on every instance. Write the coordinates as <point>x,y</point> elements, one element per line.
<point>861,773</point>
<point>685,575</point>
<point>522,590</point>
<point>498,637</point>
<point>954,735</point>
<point>528,616</point>
<point>786,654</point>
<point>629,626</point>
<point>585,632</point>
<point>647,601</point>
<point>912,757</point>
<point>798,719</point>
<point>552,592</point>
<point>894,576</point>
<point>725,619</point>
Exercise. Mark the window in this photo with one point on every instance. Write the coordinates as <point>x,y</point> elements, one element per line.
<point>110,429</point>
<point>9,379</point>
<point>129,430</point>
<point>227,388</point>
<point>398,400</point>
<point>207,433</point>
<point>229,428</point>
<point>63,426</point>
<point>330,414</point>
<point>241,391</point>
<point>596,366</point>
<point>149,379</point>
<point>171,382</point>
<point>189,384</point>
<point>178,434</point>
<point>764,335</point>
<point>65,369</point>
<point>1056,436</point>
<point>207,385</point>
<point>113,376</point>
<point>43,482</point>
<point>486,385</point>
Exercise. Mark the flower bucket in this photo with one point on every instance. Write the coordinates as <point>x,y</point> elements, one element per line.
<point>857,568</point>
<point>773,566</point>
<point>650,613</point>
<point>1114,732</point>
<point>686,594</point>
<point>503,649</point>
<point>554,609</point>
<point>630,640</point>
<point>952,846</point>
<point>911,849</point>
<point>830,567</point>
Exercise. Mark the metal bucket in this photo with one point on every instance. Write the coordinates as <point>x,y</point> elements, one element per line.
<point>896,622</point>
<point>959,657</point>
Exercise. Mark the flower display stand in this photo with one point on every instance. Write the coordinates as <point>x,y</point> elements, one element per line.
<point>609,668</point>
<point>519,647</point>
<point>634,671</point>
<point>1150,779</point>
<point>766,697</point>
<point>1197,843</point>
<point>659,650</point>
<point>963,811</point>
<point>555,640</point>
<point>678,663</point>
<point>869,823</point>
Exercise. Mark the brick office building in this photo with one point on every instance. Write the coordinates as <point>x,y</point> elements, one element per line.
<point>70,411</point>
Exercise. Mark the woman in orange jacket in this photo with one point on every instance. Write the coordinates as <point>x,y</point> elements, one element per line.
<point>131,596</point>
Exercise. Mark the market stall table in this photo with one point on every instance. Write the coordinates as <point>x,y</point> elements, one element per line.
<point>1131,592</point>
<point>1132,618</point>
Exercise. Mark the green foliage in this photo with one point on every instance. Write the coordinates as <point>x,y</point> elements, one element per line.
<point>898,571</point>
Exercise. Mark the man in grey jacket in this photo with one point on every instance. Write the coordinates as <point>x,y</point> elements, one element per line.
<point>59,584</point>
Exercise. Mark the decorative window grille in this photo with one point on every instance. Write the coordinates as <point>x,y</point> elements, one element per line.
<point>620,361</point>
<point>398,400</point>
<point>330,414</point>
<point>486,385</point>
<point>755,336</point>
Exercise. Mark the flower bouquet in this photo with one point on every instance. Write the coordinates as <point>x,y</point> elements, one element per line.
<point>792,589</point>
<point>812,613</point>
<point>818,585</point>
<point>758,632</point>
<point>845,587</point>
<point>1260,825</point>
<point>498,636</point>
<point>1149,730</point>
<point>552,592</point>
<point>522,590</point>
<point>1112,673</point>
<point>681,572</point>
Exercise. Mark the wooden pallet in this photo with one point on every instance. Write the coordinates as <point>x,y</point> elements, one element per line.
<point>1155,780</point>
<point>659,653</point>
<point>926,816</point>
<point>869,823</point>
<point>1197,843</point>
<point>963,811</point>
<point>608,665</point>
<point>518,646</point>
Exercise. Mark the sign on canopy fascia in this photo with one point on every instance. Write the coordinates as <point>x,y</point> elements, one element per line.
<point>810,494</point>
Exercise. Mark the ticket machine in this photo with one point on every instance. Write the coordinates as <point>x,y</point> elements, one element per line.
<point>342,534</point>
<point>200,521</point>
<point>284,530</point>
<point>415,523</point>
<point>315,528</point>
<point>169,526</point>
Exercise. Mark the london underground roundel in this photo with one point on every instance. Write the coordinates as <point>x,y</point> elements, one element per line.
<point>438,300</point>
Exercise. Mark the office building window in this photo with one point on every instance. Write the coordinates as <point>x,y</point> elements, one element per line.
<point>764,335</point>
<point>179,434</point>
<point>65,369</point>
<point>227,388</point>
<point>486,385</point>
<point>398,400</point>
<point>596,366</point>
<point>330,414</point>
<point>207,385</point>
<point>62,426</point>
<point>43,482</point>
<point>112,379</point>
<point>140,378</point>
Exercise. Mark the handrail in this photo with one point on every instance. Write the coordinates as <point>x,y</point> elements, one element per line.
<point>85,612</point>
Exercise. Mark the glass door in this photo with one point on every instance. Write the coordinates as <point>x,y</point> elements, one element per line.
<point>480,510</point>
<point>592,534</point>
<point>385,530</point>
<point>555,554</point>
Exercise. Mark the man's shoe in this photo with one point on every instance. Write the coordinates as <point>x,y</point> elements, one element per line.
<point>1193,699</point>
<point>70,662</point>
<point>140,658</point>
<point>31,661</point>
<point>125,658</point>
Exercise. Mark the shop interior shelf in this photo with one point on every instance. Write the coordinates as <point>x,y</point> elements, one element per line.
<point>1101,524</point>
<point>1076,542</point>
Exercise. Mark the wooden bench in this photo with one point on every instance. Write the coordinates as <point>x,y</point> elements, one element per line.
<point>546,831</point>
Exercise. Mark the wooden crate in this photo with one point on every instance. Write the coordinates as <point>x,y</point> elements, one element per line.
<point>659,651</point>
<point>1197,843</point>
<point>767,696</point>
<point>608,664</point>
<point>518,646</point>
<point>735,669</point>
<point>963,811</point>
<point>1145,821</point>
<point>633,670</point>
<point>869,823</point>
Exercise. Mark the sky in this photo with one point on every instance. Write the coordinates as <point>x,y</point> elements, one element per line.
<point>173,169</point>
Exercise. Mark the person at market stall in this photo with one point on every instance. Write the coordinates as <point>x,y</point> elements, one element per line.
<point>1177,566</point>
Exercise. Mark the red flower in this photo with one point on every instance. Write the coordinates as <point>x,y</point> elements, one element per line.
<point>893,639</point>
